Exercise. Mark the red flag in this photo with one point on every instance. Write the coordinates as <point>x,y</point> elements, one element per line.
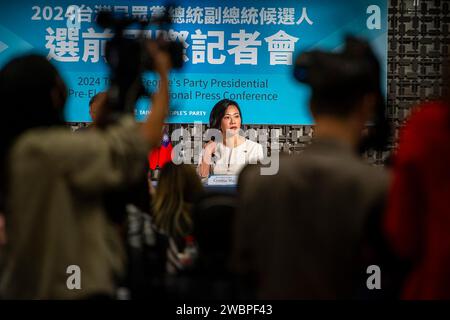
<point>160,156</point>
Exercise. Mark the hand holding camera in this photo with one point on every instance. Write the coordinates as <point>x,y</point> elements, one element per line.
<point>161,59</point>
<point>129,58</point>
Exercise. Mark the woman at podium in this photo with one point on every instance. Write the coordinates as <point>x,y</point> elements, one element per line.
<point>228,152</point>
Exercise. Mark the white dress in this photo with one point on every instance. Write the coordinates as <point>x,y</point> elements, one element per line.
<point>230,161</point>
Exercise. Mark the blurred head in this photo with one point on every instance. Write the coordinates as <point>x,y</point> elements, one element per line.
<point>339,81</point>
<point>32,95</point>
<point>178,188</point>
<point>226,115</point>
<point>96,103</point>
<point>213,229</point>
<point>345,86</point>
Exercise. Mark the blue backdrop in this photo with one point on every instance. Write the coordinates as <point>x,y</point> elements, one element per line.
<point>242,50</point>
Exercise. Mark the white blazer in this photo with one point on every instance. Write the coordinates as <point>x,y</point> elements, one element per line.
<point>230,161</point>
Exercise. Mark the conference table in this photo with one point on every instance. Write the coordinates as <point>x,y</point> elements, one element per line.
<point>216,184</point>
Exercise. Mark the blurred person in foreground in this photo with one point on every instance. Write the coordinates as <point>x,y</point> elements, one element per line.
<point>417,223</point>
<point>178,189</point>
<point>299,233</point>
<point>210,277</point>
<point>54,184</point>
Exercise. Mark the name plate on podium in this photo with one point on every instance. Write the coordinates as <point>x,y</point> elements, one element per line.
<point>222,180</point>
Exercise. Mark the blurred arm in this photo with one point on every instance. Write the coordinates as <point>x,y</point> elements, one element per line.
<point>152,128</point>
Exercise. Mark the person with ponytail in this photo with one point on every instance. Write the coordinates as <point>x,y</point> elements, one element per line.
<point>178,188</point>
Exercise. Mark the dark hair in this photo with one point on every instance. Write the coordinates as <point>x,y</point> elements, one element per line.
<point>213,218</point>
<point>339,80</point>
<point>218,112</point>
<point>26,85</point>
<point>95,97</point>
<point>178,188</point>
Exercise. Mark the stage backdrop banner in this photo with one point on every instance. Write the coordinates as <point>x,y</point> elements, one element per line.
<point>241,50</point>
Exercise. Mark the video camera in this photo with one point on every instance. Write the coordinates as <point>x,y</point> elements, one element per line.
<point>354,71</point>
<point>128,59</point>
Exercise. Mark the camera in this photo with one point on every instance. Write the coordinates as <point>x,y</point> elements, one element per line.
<point>128,59</point>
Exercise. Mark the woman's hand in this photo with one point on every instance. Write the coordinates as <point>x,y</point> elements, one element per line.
<point>161,59</point>
<point>205,163</point>
<point>210,147</point>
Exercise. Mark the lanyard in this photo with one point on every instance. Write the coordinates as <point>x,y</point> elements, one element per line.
<point>229,159</point>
